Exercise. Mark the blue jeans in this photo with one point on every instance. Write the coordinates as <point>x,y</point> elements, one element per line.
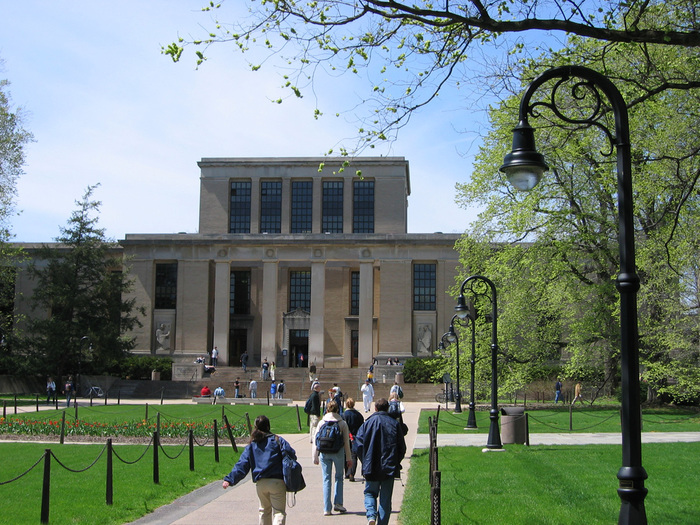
<point>557,396</point>
<point>328,460</point>
<point>383,491</point>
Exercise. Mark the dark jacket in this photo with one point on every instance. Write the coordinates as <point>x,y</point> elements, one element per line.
<point>263,458</point>
<point>354,420</point>
<point>381,446</point>
<point>315,404</point>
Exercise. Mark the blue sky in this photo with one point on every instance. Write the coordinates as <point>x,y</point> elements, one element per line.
<point>106,107</point>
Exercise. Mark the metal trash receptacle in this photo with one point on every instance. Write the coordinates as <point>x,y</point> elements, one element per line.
<point>513,425</point>
<point>155,375</point>
<point>398,377</point>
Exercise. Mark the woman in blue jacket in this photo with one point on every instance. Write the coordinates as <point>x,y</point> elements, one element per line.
<point>264,457</point>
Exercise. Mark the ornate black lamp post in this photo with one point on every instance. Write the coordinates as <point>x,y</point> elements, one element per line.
<point>452,338</point>
<point>523,168</point>
<point>472,283</point>
<point>471,420</point>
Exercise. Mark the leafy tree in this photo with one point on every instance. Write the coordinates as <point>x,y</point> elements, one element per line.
<point>80,284</point>
<point>561,297</point>
<point>13,138</point>
<point>411,52</point>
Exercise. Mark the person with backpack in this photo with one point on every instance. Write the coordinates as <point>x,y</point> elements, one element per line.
<point>263,456</point>
<point>313,408</point>
<point>332,449</point>
<point>381,446</point>
<point>396,389</point>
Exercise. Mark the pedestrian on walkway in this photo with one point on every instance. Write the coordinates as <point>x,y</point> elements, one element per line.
<point>557,391</point>
<point>263,456</point>
<point>50,390</point>
<point>244,360</point>
<point>577,394</point>
<point>313,408</point>
<point>265,370</point>
<point>253,389</point>
<point>354,420</point>
<point>367,394</point>
<point>237,387</point>
<point>332,453</point>
<point>280,389</point>
<point>69,390</point>
<point>381,446</point>
<point>214,356</point>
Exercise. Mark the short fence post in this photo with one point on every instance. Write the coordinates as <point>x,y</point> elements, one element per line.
<point>109,485</point>
<point>435,499</point>
<point>146,418</point>
<point>230,434</point>
<point>75,407</point>
<point>119,397</point>
<point>92,394</point>
<point>247,419</point>
<point>156,444</point>
<point>527,429</point>
<point>162,394</point>
<point>158,423</point>
<point>191,442</point>
<point>4,409</point>
<point>46,487</point>
<point>15,404</point>
<point>37,402</point>
<point>105,399</point>
<point>298,418</point>
<point>216,442</point>
<point>63,426</point>
<point>571,417</point>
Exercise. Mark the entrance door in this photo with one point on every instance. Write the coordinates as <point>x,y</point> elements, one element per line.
<point>298,348</point>
<point>354,347</point>
<point>237,344</point>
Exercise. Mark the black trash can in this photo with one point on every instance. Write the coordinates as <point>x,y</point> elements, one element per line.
<point>513,425</point>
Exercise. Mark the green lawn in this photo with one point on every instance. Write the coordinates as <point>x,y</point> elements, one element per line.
<point>583,419</point>
<point>79,498</point>
<point>552,485</point>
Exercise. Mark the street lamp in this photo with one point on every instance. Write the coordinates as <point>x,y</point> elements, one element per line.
<point>523,167</point>
<point>471,420</point>
<point>452,338</point>
<point>474,284</point>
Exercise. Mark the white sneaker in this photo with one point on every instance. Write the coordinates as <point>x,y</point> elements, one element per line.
<point>339,508</point>
<point>372,521</point>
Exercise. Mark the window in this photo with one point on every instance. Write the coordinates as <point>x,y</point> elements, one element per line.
<point>332,219</point>
<point>363,206</point>
<point>302,206</point>
<point>166,286</point>
<point>354,293</point>
<point>240,293</point>
<point>424,287</point>
<point>270,207</point>
<point>240,207</point>
<point>300,290</point>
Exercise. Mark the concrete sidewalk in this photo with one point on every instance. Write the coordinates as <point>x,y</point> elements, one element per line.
<point>213,505</point>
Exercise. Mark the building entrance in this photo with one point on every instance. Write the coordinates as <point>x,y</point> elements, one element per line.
<point>298,348</point>
<point>237,344</point>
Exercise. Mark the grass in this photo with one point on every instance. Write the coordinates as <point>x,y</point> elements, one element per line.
<point>551,485</point>
<point>582,419</point>
<point>79,498</point>
<point>140,420</point>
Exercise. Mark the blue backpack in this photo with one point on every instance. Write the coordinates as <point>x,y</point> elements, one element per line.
<point>329,438</point>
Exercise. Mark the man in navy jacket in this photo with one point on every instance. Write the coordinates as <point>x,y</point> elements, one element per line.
<point>381,446</point>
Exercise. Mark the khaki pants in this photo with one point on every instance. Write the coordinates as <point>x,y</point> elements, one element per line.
<point>313,423</point>
<point>273,501</point>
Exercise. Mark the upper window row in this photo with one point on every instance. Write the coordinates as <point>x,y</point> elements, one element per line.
<point>302,204</point>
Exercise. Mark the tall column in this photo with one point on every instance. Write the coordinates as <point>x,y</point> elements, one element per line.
<point>269,313</point>
<point>222,292</point>
<point>366,314</point>
<point>318,308</point>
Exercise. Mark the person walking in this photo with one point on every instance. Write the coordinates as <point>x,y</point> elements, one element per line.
<point>280,389</point>
<point>69,390</point>
<point>396,389</point>
<point>263,456</point>
<point>557,391</point>
<point>253,389</point>
<point>381,446</point>
<point>313,408</point>
<point>332,452</point>
<point>214,356</point>
<point>354,420</point>
<point>273,367</point>
<point>237,387</point>
<point>577,394</point>
<point>50,390</point>
<point>244,360</point>
<point>265,370</point>
<point>367,394</point>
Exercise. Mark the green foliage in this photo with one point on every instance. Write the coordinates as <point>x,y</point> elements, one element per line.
<point>81,285</point>
<point>140,367</point>
<point>424,370</point>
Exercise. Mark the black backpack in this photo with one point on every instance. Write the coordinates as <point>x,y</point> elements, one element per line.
<point>329,438</point>
<point>308,405</point>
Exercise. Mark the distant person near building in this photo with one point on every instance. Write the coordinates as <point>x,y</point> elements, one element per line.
<point>253,388</point>
<point>367,395</point>
<point>244,360</point>
<point>214,356</point>
<point>577,394</point>
<point>557,391</point>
